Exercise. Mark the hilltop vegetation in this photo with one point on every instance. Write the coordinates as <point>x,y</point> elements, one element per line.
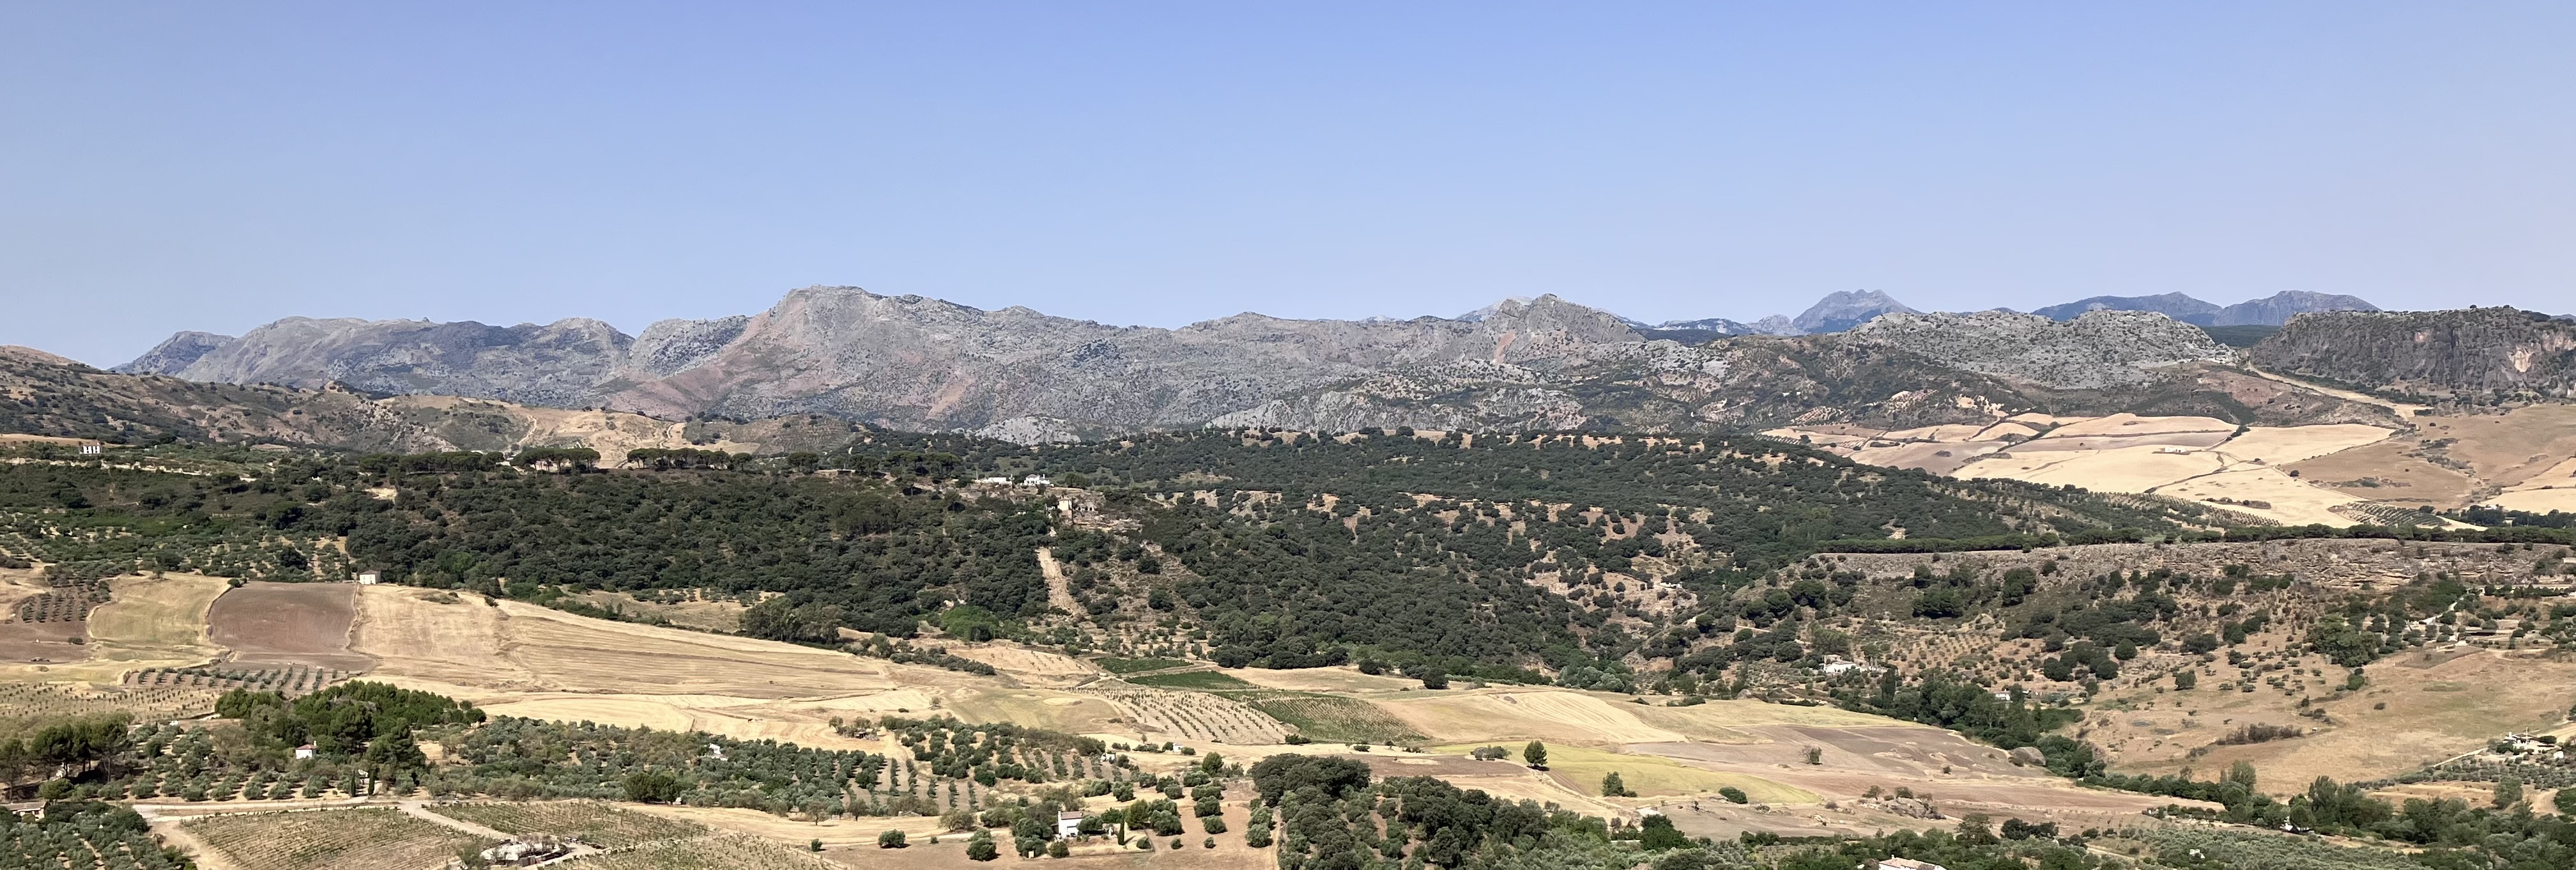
<point>1488,557</point>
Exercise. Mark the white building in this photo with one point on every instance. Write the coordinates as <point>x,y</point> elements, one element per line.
<point>369,578</point>
<point>92,448</point>
<point>1908,864</point>
<point>1068,825</point>
<point>1036,481</point>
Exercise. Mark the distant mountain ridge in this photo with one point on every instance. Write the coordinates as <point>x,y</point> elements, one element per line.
<point>918,364</point>
<point>2273,310</point>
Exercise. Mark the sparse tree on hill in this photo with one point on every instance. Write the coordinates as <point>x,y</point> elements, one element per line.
<point>1535,754</point>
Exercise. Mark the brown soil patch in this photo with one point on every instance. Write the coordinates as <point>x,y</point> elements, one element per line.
<point>288,624</point>
<point>43,642</point>
<point>2402,479</point>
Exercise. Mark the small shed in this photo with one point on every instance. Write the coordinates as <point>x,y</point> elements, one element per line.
<point>1068,824</point>
<point>369,578</point>
<point>304,751</point>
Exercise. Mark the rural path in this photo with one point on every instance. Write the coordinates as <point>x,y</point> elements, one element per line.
<point>205,858</point>
<point>1059,593</point>
<point>2401,409</point>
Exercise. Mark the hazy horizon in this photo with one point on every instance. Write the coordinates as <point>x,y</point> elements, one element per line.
<point>186,167</point>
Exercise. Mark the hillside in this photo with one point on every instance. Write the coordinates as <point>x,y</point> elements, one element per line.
<point>1694,614</point>
<point>45,395</point>
<point>2477,356</point>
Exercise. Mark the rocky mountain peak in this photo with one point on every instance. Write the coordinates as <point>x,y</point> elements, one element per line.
<point>2278,308</point>
<point>1844,309</point>
<point>174,354</point>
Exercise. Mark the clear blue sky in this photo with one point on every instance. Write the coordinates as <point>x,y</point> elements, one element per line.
<point>219,165</point>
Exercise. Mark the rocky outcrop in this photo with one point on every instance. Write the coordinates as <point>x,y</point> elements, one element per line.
<point>2101,348</point>
<point>174,355</point>
<point>43,394</point>
<point>2470,353</point>
<point>669,347</point>
<point>558,364</point>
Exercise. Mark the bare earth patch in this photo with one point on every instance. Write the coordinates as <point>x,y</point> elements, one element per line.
<point>288,624</point>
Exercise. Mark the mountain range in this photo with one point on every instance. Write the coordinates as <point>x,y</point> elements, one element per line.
<point>919,364</point>
<point>2273,310</point>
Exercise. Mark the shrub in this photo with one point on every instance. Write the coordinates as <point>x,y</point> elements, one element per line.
<point>2258,733</point>
<point>651,788</point>
<point>890,840</point>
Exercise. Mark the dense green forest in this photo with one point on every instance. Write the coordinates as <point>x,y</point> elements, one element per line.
<point>1271,550</point>
<point>1495,557</point>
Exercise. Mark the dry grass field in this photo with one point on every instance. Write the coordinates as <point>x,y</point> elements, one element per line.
<point>152,622</point>
<point>2192,458</point>
<point>372,837</point>
<point>22,703</point>
<point>2417,708</point>
<point>725,852</point>
<point>523,660</point>
<point>1553,715</point>
<point>720,615</point>
<point>1654,777</point>
<point>1026,663</point>
<point>593,822</point>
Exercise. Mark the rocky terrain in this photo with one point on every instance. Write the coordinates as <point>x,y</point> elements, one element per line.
<point>917,364</point>
<point>2476,354</point>
<point>2272,310</point>
<point>2098,349</point>
<point>45,395</point>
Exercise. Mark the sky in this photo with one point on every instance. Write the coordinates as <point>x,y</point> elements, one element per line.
<point>169,166</point>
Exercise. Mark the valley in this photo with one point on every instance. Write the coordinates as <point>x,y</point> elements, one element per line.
<point>2126,588</point>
